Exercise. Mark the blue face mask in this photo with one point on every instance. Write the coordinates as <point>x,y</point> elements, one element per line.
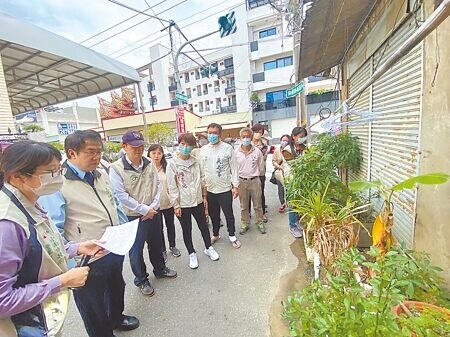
<point>246,141</point>
<point>184,150</point>
<point>213,138</point>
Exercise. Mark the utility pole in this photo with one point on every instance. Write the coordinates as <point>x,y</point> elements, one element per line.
<point>141,103</point>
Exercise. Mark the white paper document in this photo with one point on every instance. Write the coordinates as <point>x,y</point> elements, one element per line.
<point>120,239</point>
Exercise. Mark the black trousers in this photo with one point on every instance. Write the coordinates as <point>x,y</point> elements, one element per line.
<point>224,201</point>
<point>101,300</point>
<point>198,212</point>
<point>148,231</point>
<point>169,219</point>
<point>263,197</point>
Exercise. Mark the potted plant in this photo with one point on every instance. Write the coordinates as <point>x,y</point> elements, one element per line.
<point>382,228</point>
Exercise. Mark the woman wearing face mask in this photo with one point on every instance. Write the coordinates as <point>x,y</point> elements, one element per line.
<point>34,280</point>
<point>278,165</point>
<point>294,149</point>
<point>156,154</point>
<point>187,194</point>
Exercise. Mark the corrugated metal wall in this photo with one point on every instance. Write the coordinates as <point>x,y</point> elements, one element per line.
<point>391,142</point>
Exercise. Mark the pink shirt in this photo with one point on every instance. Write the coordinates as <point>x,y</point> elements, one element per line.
<point>248,164</point>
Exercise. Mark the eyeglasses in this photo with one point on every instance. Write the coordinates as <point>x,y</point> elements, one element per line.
<point>92,153</point>
<point>54,174</point>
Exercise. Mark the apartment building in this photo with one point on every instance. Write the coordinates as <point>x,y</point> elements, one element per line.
<point>252,76</point>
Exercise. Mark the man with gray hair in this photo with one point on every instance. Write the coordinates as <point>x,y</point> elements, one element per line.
<point>249,159</point>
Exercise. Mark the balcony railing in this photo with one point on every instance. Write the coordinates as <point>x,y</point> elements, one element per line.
<point>272,105</point>
<point>257,3</point>
<point>230,108</point>
<point>173,87</point>
<point>230,90</point>
<point>189,96</point>
<point>205,92</point>
<point>174,102</point>
<point>199,93</point>
<point>226,72</point>
<point>217,89</point>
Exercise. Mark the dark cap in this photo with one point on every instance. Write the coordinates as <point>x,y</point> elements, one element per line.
<point>133,138</point>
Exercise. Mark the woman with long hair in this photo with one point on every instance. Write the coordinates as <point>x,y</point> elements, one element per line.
<point>278,165</point>
<point>156,154</point>
<point>34,279</point>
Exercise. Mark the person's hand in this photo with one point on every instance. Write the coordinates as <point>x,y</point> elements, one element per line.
<point>281,167</point>
<point>205,205</point>
<point>150,214</point>
<point>91,248</point>
<point>178,211</point>
<point>235,191</point>
<point>74,278</point>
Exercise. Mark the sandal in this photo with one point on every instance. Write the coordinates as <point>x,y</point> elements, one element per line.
<point>215,238</point>
<point>236,244</point>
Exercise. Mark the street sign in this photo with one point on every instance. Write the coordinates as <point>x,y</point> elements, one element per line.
<point>295,90</point>
<point>227,24</point>
<point>181,97</point>
<point>66,128</point>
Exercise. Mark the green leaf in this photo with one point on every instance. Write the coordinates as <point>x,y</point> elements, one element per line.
<point>363,185</point>
<point>426,179</point>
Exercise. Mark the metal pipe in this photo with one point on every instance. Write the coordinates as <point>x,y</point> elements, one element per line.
<point>434,20</point>
<point>144,119</point>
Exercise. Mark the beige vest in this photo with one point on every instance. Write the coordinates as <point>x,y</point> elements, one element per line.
<point>164,200</point>
<point>88,212</point>
<point>141,186</point>
<point>53,263</point>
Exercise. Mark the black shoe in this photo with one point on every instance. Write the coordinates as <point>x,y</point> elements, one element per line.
<point>127,323</point>
<point>166,273</point>
<point>147,289</point>
<point>175,251</point>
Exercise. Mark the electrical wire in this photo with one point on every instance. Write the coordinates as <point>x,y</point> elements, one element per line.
<point>137,24</point>
<point>182,34</point>
<point>159,37</point>
<point>137,10</point>
<point>147,36</point>
<point>123,21</point>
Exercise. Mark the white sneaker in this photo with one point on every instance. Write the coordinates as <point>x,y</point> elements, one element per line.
<point>211,252</point>
<point>193,262</point>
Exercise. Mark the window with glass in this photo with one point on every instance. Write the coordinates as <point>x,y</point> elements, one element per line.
<point>275,95</point>
<point>267,32</point>
<point>278,63</point>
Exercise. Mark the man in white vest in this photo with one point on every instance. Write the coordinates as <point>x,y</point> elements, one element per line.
<point>82,210</point>
<point>136,182</point>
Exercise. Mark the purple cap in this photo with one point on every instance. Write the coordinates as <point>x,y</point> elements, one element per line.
<point>133,138</point>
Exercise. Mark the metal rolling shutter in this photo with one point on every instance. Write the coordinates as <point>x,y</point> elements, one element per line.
<point>395,131</point>
<point>361,130</point>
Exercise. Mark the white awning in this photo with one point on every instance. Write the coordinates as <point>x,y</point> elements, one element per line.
<point>42,68</point>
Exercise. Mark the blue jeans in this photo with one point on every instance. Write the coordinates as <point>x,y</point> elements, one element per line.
<point>293,218</point>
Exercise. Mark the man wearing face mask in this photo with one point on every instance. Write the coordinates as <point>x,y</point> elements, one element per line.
<point>137,185</point>
<point>201,141</point>
<point>219,163</point>
<point>249,159</point>
<point>83,209</point>
<point>259,142</point>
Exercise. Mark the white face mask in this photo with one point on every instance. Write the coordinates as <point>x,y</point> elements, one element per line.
<point>284,143</point>
<point>50,183</point>
<point>301,140</point>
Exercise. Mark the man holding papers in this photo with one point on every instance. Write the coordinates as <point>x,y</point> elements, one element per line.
<point>136,182</point>
<point>83,209</point>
